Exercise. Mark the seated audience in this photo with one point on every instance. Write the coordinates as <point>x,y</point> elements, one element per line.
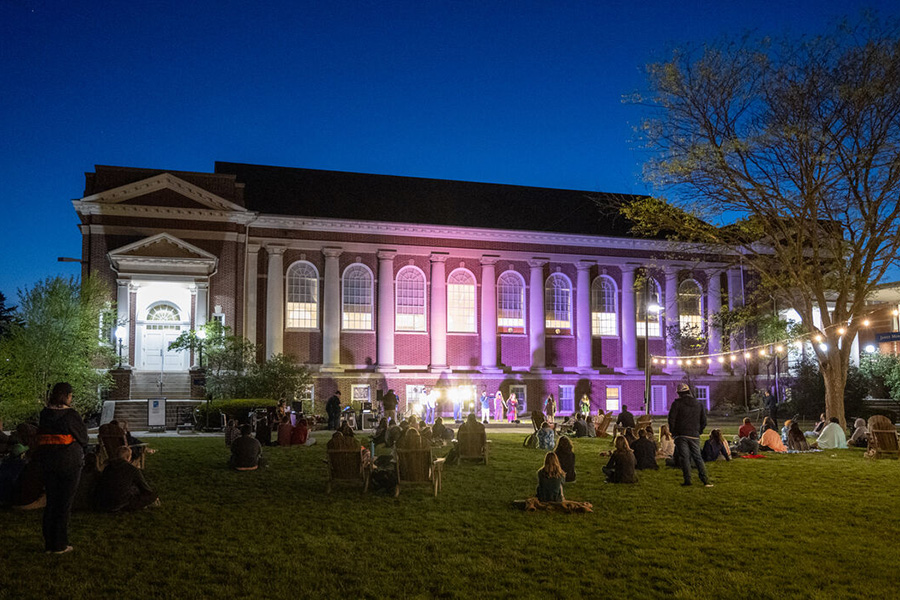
<point>232,432</point>
<point>440,432</point>
<point>472,426</point>
<point>629,436</point>
<point>550,480</point>
<point>771,441</point>
<point>621,465</point>
<point>747,428</point>
<point>784,431</point>
<point>545,436</point>
<point>425,434</point>
<point>715,447</point>
<point>832,436</point>
<point>10,470</point>
<point>624,420</point>
<point>300,433</point>
<point>748,445</point>
<point>768,423</point>
<point>378,436</point>
<point>644,451</point>
<point>87,485</point>
<point>860,437</point>
<point>285,431</point>
<point>666,443</point>
<point>796,439</point>
<point>820,425</point>
<point>264,431</point>
<point>246,452</point>
<point>393,435</point>
<point>346,429</point>
<point>565,453</point>
<point>137,446</point>
<point>122,486</point>
<point>580,427</point>
<point>412,440</point>
<point>591,428</point>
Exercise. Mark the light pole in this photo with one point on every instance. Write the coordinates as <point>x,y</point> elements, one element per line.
<point>652,307</point>
<point>121,332</point>
<point>201,335</point>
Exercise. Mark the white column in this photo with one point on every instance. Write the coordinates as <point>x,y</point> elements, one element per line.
<point>713,305</point>
<point>202,306</point>
<point>536,314</point>
<point>123,317</point>
<point>385,340</point>
<point>583,315</point>
<point>438,312</point>
<point>735,300</point>
<point>275,301</point>
<point>671,304</point>
<point>629,331</point>
<point>250,287</point>
<point>488,313</point>
<point>331,311</point>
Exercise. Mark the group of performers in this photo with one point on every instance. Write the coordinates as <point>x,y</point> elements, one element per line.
<point>508,407</point>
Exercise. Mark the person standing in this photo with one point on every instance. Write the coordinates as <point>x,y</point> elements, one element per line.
<point>585,405</point>
<point>499,406</point>
<point>550,408</point>
<point>485,407</point>
<point>333,410</point>
<point>771,403</point>
<point>687,420</point>
<point>511,408</point>
<point>428,401</point>
<point>62,438</point>
<point>457,408</point>
<point>389,403</point>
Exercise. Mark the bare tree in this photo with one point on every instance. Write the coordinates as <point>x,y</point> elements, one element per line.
<point>787,151</point>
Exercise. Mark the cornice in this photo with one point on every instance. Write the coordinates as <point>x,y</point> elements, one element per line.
<point>162,212</point>
<point>161,182</point>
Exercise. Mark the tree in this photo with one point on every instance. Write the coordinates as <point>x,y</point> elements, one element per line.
<point>798,143</point>
<point>6,315</point>
<point>55,336</point>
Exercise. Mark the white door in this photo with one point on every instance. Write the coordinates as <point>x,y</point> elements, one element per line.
<point>155,353</point>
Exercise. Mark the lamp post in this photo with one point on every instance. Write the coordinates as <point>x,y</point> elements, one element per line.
<point>652,307</point>
<point>121,332</point>
<point>201,335</point>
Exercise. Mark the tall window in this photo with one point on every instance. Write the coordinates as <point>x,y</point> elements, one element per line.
<point>566,399</point>
<point>461,302</point>
<point>641,304</point>
<point>410,313</point>
<point>689,305</point>
<point>358,308</point>
<point>613,397</point>
<point>558,304</point>
<point>302,296</point>
<point>603,307</point>
<point>510,303</point>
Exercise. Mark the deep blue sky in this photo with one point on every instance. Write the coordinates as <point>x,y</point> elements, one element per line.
<point>523,92</point>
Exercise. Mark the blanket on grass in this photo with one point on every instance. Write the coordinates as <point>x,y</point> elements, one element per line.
<point>566,506</point>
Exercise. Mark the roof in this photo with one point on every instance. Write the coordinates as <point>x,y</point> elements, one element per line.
<point>369,197</point>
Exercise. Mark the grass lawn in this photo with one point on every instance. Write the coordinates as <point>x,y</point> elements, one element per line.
<point>819,525</point>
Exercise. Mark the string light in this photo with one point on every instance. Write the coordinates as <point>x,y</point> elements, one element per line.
<point>866,322</point>
<point>721,359</point>
<point>842,331</point>
<point>779,348</point>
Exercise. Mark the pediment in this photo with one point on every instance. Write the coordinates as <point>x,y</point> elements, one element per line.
<point>163,254</point>
<point>163,190</point>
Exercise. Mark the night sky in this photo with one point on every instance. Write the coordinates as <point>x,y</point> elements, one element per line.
<point>520,92</point>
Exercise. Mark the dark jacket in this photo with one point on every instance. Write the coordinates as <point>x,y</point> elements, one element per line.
<point>712,450</point>
<point>56,422</point>
<point>119,483</point>
<point>620,468</point>
<point>549,490</point>
<point>625,419</point>
<point>567,462</point>
<point>389,401</point>
<point>245,452</point>
<point>333,405</point>
<point>687,417</point>
<point>645,453</point>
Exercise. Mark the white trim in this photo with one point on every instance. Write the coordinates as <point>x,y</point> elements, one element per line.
<point>163,181</point>
<point>373,325</point>
<point>474,330</point>
<point>287,288</point>
<point>424,299</point>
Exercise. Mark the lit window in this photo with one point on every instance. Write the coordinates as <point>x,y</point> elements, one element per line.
<point>511,303</point>
<point>163,317</point>
<point>302,296</point>
<point>461,302</point>
<point>603,307</point>
<point>410,314</point>
<point>690,313</point>
<point>613,397</point>
<point>558,304</point>
<point>641,303</point>
<point>358,309</point>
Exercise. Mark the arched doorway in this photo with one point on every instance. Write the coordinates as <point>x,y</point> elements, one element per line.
<point>162,323</point>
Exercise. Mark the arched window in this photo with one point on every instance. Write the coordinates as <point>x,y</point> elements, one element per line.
<point>604,313</point>
<point>163,316</point>
<point>302,296</point>
<point>558,304</point>
<point>357,298</point>
<point>642,303</point>
<point>461,302</point>
<point>510,303</point>
<point>410,312</point>
<point>690,308</point>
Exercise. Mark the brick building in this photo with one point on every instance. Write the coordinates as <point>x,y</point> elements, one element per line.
<point>384,282</point>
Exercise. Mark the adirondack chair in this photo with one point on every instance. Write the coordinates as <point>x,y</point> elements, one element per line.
<point>882,438</point>
<point>603,422</point>
<point>417,465</point>
<point>643,422</point>
<point>346,464</point>
<point>108,446</point>
<point>472,446</point>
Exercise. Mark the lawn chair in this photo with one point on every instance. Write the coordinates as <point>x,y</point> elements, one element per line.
<point>108,446</point>
<point>643,422</point>
<point>537,419</point>
<point>346,464</point>
<point>603,423</point>
<point>882,438</point>
<point>471,446</point>
<point>417,465</point>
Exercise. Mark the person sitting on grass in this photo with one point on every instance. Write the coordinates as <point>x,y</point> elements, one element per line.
<point>666,443</point>
<point>771,440</point>
<point>621,465</point>
<point>860,437</point>
<point>580,427</point>
<point>346,429</point>
<point>629,436</point>
<point>284,431</point>
<point>748,445</point>
<point>768,423</point>
<point>545,437</point>
<point>425,433</point>
<point>796,439</point>
<point>820,425</point>
<point>715,448</point>
<point>122,486</point>
<point>644,451</point>
<point>747,428</point>
<point>246,452</point>
<point>232,432</point>
<point>565,453</point>
<point>624,420</point>
<point>832,436</point>
<point>550,480</point>
<point>263,432</point>
<point>591,426</point>
<point>785,430</point>
<point>440,433</point>
<point>87,485</point>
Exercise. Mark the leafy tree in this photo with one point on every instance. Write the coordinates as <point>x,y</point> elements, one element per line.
<point>55,336</point>
<point>798,143</point>
<point>6,315</point>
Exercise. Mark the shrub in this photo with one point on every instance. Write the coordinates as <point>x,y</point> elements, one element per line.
<point>232,409</point>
